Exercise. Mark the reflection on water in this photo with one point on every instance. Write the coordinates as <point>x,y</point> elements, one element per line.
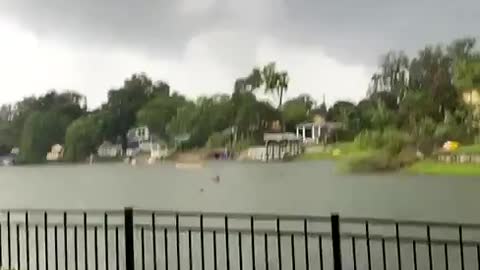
<point>296,188</point>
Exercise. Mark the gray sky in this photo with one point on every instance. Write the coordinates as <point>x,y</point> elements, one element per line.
<point>201,46</point>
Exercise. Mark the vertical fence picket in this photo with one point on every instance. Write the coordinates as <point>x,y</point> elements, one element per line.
<point>105,238</point>
<point>45,234</point>
<point>27,242</point>
<point>129,244</point>
<point>19,266</point>
<point>65,240</point>
<point>337,257</point>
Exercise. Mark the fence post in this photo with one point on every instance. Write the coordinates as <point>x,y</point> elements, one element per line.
<point>129,250</point>
<point>337,256</point>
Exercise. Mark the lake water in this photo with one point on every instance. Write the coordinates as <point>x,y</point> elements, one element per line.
<point>314,188</point>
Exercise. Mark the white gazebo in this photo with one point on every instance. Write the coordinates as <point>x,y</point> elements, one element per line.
<point>314,132</point>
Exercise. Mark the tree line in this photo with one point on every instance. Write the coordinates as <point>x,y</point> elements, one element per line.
<point>428,97</point>
<point>36,123</point>
<point>425,96</point>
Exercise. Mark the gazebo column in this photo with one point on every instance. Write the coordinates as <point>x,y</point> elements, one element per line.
<point>266,151</point>
<point>273,150</point>
<point>279,150</point>
<point>303,133</point>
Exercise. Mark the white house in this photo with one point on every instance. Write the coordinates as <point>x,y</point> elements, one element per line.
<point>140,140</point>
<point>109,150</point>
<point>138,134</point>
<point>56,153</point>
<point>158,150</point>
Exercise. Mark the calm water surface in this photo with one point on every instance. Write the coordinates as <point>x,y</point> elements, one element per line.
<point>294,188</point>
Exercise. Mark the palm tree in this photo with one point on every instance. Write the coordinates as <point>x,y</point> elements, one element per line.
<point>254,80</point>
<point>282,86</point>
<point>270,78</point>
<point>275,82</point>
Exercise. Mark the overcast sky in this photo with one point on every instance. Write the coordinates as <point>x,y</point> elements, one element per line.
<point>202,46</point>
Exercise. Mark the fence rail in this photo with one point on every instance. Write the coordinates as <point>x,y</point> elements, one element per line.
<point>140,239</point>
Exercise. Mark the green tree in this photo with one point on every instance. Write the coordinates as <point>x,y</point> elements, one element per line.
<point>431,71</point>
<point>200,120</point>
<point>392,76</point>
<point>382,117</point>
<point>82,137</point>
<point>158,112</point>
<point>254,80</point>
<point>7,137</point>
<point>461,48</point>
<point>296,111</point>
<point>41,131</point>
<point>340,110</point>
<point>69,104</point>
<point>414,107</point>
<point>124,103</point>
<point>275,82</point>
<point>183,122</point>
<point>467,74</point>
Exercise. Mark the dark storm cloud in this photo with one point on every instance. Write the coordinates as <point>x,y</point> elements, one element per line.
<point>364,29</point>
<point>355,31</point>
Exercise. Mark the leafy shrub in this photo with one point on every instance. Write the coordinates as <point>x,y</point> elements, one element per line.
<point>392,140</point>
<point>368,139</point>
<point>373,162</point>
<point>381,161</point>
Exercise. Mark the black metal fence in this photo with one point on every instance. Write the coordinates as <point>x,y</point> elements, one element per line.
<point>146,239</point>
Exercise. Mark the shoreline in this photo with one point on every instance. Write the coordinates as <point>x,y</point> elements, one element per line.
<point>420,167</point>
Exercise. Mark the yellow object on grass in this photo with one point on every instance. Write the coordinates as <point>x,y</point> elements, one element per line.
<point>451,146</point>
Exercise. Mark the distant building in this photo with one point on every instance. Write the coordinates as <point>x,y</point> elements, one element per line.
<point>109,150</point>
<point>158,150</point>
<point>140,140</point>
<point>8,160</point>
<point>56,153</point>
<point>138,134</point>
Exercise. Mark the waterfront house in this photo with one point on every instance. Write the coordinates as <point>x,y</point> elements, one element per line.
<point>8,160</point>
<point>56,153</point>
<point>138,134</point>
<point>109,150</point>
<point>158,150</point>
<point>141,140</point>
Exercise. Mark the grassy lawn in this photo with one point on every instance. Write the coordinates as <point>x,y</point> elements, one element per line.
<point>343,149</point>
<point>469,149</point>
<point>437,168</point>
<point>317,156</point>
